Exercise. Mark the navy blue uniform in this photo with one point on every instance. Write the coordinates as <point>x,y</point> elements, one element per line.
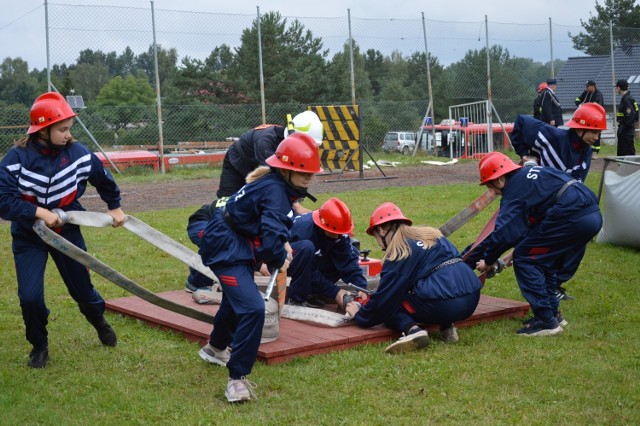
<point>423,289</point>
<point>248,152</point>
<point>195,230</point>
<point>252,228</point>
<point>33,177</point>
<point>558,148</point>
<point>319,261</point>
<point>549,231</point>
<point>550,109</point>
<point>627,117</point>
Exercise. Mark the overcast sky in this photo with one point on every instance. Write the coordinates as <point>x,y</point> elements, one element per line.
<point>22,21</point>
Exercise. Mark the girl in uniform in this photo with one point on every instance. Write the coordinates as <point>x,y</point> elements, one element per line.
<point>44,171</point>
<point>548,218</point>
<point>253,228</point>
<point>423,280</point>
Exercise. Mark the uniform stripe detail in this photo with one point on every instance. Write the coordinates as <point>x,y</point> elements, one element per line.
<point>548,155</point>
<point>58,191</point>
<point>539,250</point>
<point>408,307</point>
<point>229,280</point>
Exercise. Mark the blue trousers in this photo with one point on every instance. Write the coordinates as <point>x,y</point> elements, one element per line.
<point>195,231</point>
<point>240,319</point>
<point>30,254</point>
<point>555,247</point>
<point>444,312</point>
<point>309,274</point>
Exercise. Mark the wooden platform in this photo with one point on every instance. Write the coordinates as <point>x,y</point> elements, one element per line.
<point>296,338</point>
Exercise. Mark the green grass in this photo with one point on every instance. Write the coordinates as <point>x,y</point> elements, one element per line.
<point>588,375</point>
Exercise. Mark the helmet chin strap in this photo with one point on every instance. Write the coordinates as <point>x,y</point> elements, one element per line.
<point>49,144</point>
<point>302,190</point>
<point>393,228</point>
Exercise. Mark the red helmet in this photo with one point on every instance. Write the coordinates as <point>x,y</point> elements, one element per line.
<point>589,116</point>
<point>494,165</point>
<point>334,216</point>
<point>297,152</point>
<point>542,86</point>
<point>48,109</point>
<point>386,212</point>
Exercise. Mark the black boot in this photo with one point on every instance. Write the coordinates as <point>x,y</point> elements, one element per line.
<point>38,358</point>
<point>106,334</point>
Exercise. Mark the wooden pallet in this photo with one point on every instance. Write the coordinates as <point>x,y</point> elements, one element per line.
<point>297,339</point>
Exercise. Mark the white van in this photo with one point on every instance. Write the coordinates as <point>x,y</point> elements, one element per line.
<point>402,142</point>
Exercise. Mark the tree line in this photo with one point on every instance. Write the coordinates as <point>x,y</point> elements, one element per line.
<point>297,70</point>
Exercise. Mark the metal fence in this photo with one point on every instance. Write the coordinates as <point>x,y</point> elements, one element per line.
<point>468,75</point>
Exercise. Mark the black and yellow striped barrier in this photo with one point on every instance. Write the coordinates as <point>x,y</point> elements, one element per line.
<point>340,149</point>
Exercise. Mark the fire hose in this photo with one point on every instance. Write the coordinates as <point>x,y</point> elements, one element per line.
<point>175,249</point>
<point>101,220</point>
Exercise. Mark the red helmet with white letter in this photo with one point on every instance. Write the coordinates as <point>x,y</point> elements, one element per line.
<point>334,216</point>
<point>386,212</point>
<point>297,152</point>
<point>589,116</point>
<point>494,165</point>
<point>48,109</point>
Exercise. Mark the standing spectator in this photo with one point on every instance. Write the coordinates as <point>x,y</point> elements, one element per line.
<point>627,117</point>
<point>551,111</point>
<point>44,171</point>
<point>548,218</point>
<point>591,94</point>
<point>537,102</point>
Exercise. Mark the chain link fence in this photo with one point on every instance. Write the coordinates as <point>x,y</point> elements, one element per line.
<point>519,57</point>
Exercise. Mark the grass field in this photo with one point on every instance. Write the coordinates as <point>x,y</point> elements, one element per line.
<point>589,375</point>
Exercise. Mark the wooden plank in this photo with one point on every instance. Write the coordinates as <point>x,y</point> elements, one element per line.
<point>297,339</point>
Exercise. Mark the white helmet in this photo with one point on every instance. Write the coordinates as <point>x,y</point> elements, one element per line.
<point>306,122</point>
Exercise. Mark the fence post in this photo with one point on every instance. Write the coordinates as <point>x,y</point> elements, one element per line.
<point>553,72</point>
<point>46,30</point>
<point>262,102</point>
<point>158,101</point>
<point>353,76</point>
<point>613,84</point>
<point>489,94</point>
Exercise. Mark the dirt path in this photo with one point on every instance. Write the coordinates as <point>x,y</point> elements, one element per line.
<point>153,196</point>
<point>189,192</point>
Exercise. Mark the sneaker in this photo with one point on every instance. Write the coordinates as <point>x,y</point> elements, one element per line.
<point>449,335</point>
<point>203,296</point>
<point>561,294</point>
<point>410,342</point>
<point>559,317</point>
<point>240,390</point>
<point>190,288</point>
<point>536,327</point>
<point>215,356</point>
<point>561,321</point>
<point>38,358</point>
